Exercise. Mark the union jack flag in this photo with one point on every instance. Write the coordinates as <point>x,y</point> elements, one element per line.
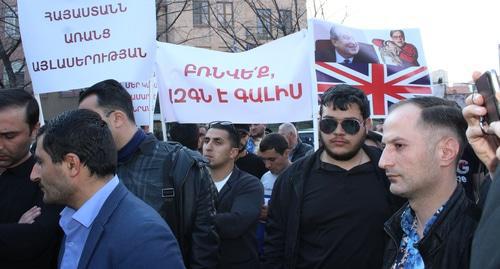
<point>383,84</point>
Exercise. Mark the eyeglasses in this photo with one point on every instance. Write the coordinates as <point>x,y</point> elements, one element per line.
<point>350,126</point>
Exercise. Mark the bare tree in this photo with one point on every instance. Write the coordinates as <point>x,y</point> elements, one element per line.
<point>12,58</point>
<point>235,25</point>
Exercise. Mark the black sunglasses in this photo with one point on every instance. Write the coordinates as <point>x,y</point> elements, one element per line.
<point>350,126</point>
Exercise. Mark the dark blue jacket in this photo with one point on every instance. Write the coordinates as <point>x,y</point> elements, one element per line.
<point>127,233</point>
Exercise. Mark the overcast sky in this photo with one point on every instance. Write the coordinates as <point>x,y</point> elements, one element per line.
<point>457,36</point>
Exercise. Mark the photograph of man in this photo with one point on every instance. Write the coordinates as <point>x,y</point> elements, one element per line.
<point>105,225</point>
<point>342,47</point>
<point>397,51</point>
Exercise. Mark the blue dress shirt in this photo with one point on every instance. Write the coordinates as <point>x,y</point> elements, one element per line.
<point>77,224</point>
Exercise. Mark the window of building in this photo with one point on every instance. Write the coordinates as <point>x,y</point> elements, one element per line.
<point>225,13</point>
<point>200,13</point>
<point>286,20</point>
<point>11,22</point>
<point>18,69</point>
<point>263,23</point>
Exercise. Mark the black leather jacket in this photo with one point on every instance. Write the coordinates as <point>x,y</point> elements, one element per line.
<point>189,196</point>
<point>448,243</point>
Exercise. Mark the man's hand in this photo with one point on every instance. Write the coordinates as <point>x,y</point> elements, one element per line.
<point>480,142</point>
<point>29,216</point>
<point>263,211</point>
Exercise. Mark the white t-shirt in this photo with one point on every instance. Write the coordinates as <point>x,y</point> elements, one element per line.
<point>268,180</point>
<point>219,185</point>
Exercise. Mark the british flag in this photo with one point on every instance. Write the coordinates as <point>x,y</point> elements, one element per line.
<point>383,84</point>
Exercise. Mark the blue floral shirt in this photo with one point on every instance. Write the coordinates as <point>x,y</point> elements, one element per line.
<point>408,256</point>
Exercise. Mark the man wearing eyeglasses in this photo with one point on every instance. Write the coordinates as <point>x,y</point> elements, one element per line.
<point>172,180</point>
<point>328,209</point>
<point>240,198</point>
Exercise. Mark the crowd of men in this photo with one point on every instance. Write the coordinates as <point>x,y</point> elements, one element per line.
<point>92,190</point>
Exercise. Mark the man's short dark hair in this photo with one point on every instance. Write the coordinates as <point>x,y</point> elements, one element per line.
<point>395,31</point>
<point>85,134</point>
<point>342,96</point>
<point>233,134</point>
<point>440,113</point>
<point>22,99</point>
<point>111,95</point>
<point>273,141</point>
<point>185,133</point>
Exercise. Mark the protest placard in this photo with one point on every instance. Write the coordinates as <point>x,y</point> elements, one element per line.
<point>74,44</point>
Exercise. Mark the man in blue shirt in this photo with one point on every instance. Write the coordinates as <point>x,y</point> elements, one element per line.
<point>105,225</point>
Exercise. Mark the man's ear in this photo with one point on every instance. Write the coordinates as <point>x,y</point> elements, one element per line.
<point>34,131</point>
<point>286,152</point>
<point>233,154</point>
<point>368,124</point>
<point>118,118</point>
<point>72,164</point>
<point>448,150</point>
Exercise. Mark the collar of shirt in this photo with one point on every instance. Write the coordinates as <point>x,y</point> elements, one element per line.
<point>87,213</point>
<point>408,221</point>
<point>126,152</point>
<point>341,59</point>
<point>219,185</point>
<point>408,255</point>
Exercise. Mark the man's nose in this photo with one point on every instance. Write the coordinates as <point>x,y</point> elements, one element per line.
<point>35,173</point>
<point>385,160</point>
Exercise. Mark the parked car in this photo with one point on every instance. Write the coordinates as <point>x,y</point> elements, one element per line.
<point>307,136</point>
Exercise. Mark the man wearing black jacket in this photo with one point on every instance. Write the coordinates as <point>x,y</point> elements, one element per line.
<point>327,209</point>
<point>24,243</point>
<point>424,139</point>
<point>171,179</point>
<point>240,198</point>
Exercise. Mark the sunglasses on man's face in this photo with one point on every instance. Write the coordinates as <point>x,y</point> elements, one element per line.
<point>350,126</point>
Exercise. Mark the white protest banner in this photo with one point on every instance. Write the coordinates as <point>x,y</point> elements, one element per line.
<point>143,95</point>
<point>72,44</point>
<point>268,84</point>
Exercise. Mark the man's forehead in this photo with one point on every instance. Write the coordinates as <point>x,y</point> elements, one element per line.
<point>214,133</point>
<point>352,110</point>
<point>270,153</point>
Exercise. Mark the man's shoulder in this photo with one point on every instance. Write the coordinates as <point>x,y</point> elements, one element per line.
<point>130,212</point>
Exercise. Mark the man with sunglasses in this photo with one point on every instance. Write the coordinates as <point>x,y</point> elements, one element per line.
<point>172,180</point>
<point>240,198</point>
<point>327,209</point>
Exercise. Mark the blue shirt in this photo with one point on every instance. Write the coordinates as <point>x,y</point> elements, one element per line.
<point>77,224</point>
<point>408,256</point>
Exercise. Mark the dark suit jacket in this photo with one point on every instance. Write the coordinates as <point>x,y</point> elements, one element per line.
<point>236,220</point>
<point>301,149</point>
<point>325,52</point>
<point>127,233</point>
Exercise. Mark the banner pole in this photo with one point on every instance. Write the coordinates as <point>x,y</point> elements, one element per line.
<point>314,86</point>
<point>40,117</point>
